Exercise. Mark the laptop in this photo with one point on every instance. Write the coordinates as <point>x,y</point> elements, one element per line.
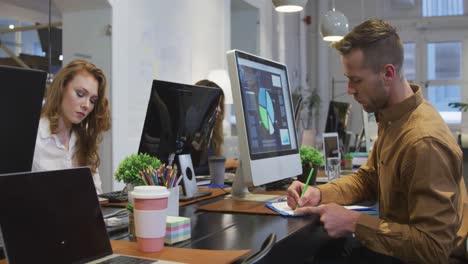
<point>22,94</point>
<point>54,217</point>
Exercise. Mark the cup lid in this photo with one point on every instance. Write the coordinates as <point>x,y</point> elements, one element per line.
<point>150,192</point>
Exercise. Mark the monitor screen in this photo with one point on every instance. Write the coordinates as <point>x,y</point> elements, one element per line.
<point>23,92</point>
<point>179,120</point>
<point>337,120</point>
<point>265,118</point>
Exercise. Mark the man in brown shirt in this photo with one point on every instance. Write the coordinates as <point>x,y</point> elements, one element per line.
<point>414,170</point>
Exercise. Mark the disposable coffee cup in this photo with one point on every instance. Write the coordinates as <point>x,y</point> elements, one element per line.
<point>150,210</point>
<point>216,166</point>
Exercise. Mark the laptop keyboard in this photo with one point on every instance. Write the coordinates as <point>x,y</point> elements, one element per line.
<point>127,260</point>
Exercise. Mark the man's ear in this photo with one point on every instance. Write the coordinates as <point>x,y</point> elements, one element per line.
<point>389,72</point>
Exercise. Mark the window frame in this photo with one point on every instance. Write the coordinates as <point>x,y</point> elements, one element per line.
<point>428,34</point>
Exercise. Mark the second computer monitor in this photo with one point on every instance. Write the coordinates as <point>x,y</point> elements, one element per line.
<point>337,121</point>
<point>264,113</point>
<point>20,110</point>
<point>179,120</point>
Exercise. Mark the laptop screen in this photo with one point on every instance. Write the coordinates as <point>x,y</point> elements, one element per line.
<point>53,216</point>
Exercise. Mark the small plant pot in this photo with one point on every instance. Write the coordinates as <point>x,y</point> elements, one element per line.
<point>348,164</point>
<point>305,173</point>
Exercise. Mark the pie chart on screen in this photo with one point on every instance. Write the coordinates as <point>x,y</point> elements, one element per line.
<point>265,108</point>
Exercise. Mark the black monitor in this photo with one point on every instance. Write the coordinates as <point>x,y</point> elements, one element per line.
<point>337,120</point>
<point>179,119</point>
<point>20,109</point>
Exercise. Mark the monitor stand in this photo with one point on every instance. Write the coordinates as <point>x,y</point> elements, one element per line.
<point>189,183</point>
<point>241,193</point>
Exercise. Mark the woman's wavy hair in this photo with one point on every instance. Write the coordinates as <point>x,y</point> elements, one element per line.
<point>218,136</point>
<point>89,131</point>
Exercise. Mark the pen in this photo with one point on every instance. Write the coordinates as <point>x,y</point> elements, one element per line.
<point>306,184</point>
<point>155,177</point>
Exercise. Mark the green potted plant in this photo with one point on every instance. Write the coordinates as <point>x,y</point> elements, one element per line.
<point>348,161</point>
<point>310,158</point>
<point>129,172</point>
<point>129,169</point>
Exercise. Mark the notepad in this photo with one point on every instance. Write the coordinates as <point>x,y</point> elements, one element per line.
<point>281,206</point>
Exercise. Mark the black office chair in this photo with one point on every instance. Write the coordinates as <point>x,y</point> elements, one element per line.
<point>267,245</point>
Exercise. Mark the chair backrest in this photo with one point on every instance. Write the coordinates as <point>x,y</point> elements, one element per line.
<point>267,245</point>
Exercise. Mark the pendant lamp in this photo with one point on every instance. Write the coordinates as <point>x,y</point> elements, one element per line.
<point>289,6</point>
<point>333,25</point>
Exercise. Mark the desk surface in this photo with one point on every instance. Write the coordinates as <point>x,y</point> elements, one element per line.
<point>177,254</point>
<point>180,254</point>
<point>297,238</point>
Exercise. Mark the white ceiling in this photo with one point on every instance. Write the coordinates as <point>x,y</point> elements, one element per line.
<point>36,5</point>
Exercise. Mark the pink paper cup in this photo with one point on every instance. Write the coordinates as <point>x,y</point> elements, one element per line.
<point>150,210</point>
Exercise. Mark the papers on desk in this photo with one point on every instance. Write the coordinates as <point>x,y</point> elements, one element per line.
<point>281,206</point>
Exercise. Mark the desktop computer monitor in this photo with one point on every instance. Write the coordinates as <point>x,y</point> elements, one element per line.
<point>179,120</point>
<point>265,122</point>
<point>337,121</point>
<point>178,126</point>
<point>20,110</point>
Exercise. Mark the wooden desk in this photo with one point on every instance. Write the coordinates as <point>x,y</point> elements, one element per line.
<point>177,254</point>
<point>297,237</point>
<point>181,254</point>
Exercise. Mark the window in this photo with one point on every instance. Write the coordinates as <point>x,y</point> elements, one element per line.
<point>26,42</point>
<point>30,43</point>
<point>7,39</point>
<point>444,78</point>
<point>442,8</point>
<point>409,64</point>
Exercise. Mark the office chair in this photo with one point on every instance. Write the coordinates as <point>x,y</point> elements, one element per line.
<point>267,245</point>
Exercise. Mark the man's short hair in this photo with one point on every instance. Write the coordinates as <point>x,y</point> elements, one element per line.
<point>379,43</point>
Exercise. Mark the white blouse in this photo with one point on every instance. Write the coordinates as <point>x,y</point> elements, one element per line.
<point>51,154</point>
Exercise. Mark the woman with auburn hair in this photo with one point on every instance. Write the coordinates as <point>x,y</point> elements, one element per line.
<point>73,119</point>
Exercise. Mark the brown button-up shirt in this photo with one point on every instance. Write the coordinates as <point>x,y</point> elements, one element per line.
<point>415,172</point>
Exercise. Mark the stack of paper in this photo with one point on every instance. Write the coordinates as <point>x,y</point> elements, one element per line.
<point>177,229</point>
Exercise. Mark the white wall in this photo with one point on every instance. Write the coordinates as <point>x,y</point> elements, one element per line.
<point>178,41</point>
<point>85,37</point>
<point>245,30</point>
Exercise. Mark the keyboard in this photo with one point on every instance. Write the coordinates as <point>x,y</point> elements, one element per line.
<point>115,197</point>
<point>127,260</point>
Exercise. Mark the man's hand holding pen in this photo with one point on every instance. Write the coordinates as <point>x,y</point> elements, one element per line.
<point>310,198</point>
<point>337,220</point>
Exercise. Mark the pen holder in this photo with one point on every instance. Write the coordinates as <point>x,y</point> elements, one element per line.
<point>173,202</point>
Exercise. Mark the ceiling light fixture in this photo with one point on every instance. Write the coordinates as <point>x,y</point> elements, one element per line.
<point>334,25</point>
<point>289,6</point>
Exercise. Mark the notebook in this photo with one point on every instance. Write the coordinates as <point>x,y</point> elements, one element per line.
<point>280,205</point>
<point>54,217</point>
